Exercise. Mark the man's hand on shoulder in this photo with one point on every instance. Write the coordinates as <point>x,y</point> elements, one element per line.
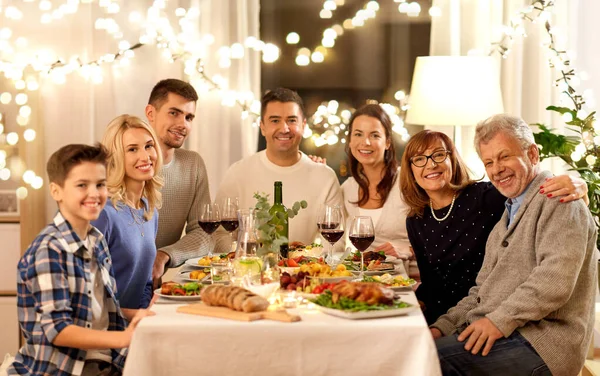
<point>317,159</point>
<point>158,269</point>
<point>481,332</point>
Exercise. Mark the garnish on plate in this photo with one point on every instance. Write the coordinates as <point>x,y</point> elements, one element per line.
<point>176,289</point>
<point>359,296</point>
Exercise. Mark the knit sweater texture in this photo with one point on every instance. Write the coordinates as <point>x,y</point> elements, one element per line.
<point>132,253</point>
<point>184,193</point>
<point>305,180</point>
<point>538,277</point>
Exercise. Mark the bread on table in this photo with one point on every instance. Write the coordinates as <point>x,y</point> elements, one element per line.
<point>233,297</point>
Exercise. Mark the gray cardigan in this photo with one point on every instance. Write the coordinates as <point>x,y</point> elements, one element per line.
<point>538,277</point>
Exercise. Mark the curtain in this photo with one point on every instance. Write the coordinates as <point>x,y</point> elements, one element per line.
<point>526,80</point>
<point>77,111</point>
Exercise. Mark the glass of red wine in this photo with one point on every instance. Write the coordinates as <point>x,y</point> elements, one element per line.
<point>331,224</point>
<point>229,220</point>
<point>210,219</point>
<point>361,236</point>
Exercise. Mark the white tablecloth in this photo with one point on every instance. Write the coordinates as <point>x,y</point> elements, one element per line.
<point>172,343</point>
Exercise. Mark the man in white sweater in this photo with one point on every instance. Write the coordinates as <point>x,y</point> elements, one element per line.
<point>283,119</point>
<point>171,110</point>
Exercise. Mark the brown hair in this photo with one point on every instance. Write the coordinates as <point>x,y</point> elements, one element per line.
<point>63,160</point>
<point>161,90</point>
<point>414,196</point>
<point>282,95</point>
<point>113,141</point>
<point>389,157</point>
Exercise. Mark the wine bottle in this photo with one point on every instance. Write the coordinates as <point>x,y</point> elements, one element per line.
<point>280,223</point>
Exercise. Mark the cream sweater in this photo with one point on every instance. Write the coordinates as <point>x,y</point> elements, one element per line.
<point>306,180</point>
<point>184,192</point>
<point>538,277</point>
<point>391,226</point>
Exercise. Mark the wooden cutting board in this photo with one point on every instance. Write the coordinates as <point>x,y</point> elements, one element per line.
<point>226,313</point>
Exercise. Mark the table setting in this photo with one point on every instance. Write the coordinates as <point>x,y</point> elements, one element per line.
<point>312,311</point>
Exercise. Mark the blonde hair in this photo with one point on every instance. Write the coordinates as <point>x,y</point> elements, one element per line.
<point>115,170</point>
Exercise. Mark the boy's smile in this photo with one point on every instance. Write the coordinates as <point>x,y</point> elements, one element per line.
<point>82,195</point>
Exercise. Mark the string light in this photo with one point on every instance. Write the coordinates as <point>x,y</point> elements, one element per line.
<point>330,122</point>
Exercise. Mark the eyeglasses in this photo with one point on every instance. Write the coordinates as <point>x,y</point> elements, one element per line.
<point>437,157</point>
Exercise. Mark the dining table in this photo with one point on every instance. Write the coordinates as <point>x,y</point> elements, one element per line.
<point>173,343</point>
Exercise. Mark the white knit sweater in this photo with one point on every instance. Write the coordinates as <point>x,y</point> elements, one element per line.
<point>306,180</point>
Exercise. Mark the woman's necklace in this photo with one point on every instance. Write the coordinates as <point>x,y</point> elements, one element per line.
<point>447,214</point>
<point>137,220</point>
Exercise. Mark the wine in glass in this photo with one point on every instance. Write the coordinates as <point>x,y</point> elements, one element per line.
<point>331,224</point>
<point>229,220</point>
<point>361,236</point>
<point>209,219</point>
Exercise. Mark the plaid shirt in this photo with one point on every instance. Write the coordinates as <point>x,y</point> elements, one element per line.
<point>54,291</point>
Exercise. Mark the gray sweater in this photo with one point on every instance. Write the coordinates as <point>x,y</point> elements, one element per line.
<point>184,192</point>
<point>538,277</point>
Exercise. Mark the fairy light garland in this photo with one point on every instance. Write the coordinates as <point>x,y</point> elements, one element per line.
<point>568,79</point>
<point>329,124</point>
<point>156,29</point>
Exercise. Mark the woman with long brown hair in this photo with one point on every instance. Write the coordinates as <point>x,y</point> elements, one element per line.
<point>450,217</point>
<point>372,190</point>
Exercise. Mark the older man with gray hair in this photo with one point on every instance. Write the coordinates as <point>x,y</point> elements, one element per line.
<point>532,309</point>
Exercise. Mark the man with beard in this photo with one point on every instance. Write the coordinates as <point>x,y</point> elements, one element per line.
<point>532,309</point>
<point>170,111</point>
<point>282,123</point>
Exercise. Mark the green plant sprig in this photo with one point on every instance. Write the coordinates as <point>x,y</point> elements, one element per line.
<point>266,227</point>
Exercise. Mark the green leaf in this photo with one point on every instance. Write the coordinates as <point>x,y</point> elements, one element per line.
<point>303,204</point>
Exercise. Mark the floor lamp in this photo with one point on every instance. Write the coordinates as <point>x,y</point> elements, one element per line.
<point>454,91</point>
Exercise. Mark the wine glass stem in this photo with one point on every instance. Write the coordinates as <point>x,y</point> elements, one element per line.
<point>330,253</point>
<point>233,245</point>
<point>362,265</point>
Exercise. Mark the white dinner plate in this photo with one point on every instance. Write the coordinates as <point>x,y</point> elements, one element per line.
<point>185,276</point>
<point>178,297</point>
<point>367,314</point>
<point>194,262</point>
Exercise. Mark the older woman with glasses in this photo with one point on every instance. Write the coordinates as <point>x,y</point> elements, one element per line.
<point>450,217</point>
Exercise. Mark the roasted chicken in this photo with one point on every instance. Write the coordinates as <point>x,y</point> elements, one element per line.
<point>368,292</point>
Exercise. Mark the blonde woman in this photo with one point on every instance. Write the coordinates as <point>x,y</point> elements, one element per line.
<point>130,219</point>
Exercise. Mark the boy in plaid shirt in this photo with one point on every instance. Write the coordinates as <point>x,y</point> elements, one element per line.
<point>68,310</point>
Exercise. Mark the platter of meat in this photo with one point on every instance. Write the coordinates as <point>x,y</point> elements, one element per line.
<point>360,300</point>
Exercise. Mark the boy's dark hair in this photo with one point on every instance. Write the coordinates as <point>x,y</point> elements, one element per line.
<point>161,91</point>
<point>283,95</point>
<point>63,160</point>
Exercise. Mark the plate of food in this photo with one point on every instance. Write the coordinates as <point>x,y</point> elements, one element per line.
<point>373,267</point>
<point>297,249</point>
<point>175,291</point>
<point>368,256</point>
<point>394,282</point>
<point>325,273</point>
<point>199,275</point>
<point>207,261</point>
<point>358,300</point>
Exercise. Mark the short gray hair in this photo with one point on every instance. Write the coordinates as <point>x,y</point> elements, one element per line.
<point>511,125</point>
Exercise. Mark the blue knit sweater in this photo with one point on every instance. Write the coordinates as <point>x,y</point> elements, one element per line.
<point>132,254</point>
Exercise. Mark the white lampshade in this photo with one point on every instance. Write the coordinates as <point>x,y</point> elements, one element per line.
<point>454,90</point>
